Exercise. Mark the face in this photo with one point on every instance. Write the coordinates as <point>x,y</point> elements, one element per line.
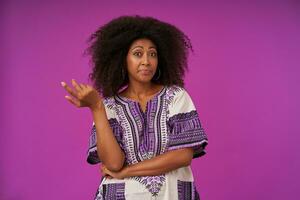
<point>142,60</point>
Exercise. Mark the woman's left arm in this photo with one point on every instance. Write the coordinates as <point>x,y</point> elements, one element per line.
<point>158,165</point>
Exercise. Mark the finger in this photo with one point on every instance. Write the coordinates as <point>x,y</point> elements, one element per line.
<point>69,90</point>
<point>73,101</point>
<point>105,171</point>
<point>109,177</point>
<point>82,86</point>
<point>102,169</point>
<point>76,86</point>
<point>88,86</point>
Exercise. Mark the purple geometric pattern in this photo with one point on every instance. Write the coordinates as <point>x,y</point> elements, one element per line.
<point>186,131</point>
<point>152,183</point>
<point>112,191</point>
<point>145,134</point>
<point>93,157</point>
<point>187,190</point>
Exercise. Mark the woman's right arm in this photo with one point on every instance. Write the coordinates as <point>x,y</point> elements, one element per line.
<point>108,149</point>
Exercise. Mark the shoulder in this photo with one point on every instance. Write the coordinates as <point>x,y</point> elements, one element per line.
<point>175,93</point>
<point>176,90</point>
<point>109,105</point>
<point>108,102</point>
<point>180,100</point>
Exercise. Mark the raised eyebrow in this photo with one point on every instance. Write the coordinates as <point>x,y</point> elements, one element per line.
<point>142,47</point>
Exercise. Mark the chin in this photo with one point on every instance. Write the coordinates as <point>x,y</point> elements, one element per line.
<point>145,80</point>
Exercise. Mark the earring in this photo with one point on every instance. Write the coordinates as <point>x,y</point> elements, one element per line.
<point>158,74</point>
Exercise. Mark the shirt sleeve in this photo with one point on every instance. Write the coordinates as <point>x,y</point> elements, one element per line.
<point>185,127</point>
<point>92,155</point>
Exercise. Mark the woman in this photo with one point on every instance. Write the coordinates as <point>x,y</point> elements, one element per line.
<point>145,129</point>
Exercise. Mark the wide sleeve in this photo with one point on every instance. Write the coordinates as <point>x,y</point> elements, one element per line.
<point>184,124</point>
<point>92,155</point>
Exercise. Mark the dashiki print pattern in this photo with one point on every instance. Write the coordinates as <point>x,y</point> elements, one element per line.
<point>169,122</point>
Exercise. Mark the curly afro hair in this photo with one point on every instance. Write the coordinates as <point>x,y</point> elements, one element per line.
<point>110,43</point>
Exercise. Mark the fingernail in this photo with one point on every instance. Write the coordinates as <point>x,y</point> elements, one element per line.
<point>63,84</point>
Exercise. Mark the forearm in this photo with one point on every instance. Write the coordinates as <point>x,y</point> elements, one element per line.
<point>161,164</point>
<point>108,149</point>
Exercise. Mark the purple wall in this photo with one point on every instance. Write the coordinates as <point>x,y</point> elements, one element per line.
<point>243,78</point>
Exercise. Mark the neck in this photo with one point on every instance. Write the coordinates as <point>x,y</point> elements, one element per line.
<point>140,89</point>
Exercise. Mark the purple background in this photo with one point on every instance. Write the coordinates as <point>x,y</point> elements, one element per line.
<point>243,79</point>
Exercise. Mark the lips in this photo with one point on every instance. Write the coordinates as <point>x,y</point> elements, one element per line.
<point>145,71</point>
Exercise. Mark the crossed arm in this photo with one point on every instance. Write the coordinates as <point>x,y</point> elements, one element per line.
<point>158,165</point>
<point>113,157</point>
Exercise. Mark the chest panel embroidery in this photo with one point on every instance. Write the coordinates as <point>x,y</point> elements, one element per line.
<point>145,135</point>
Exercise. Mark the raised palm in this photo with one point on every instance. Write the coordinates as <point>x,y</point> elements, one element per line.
<point>84,95</point>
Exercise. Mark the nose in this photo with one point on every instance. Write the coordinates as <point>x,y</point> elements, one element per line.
<point>145,60</point>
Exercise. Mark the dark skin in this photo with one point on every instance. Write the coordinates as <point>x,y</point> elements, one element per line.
<point>86,96</point>
<point>141,66</point>
<point>143,102</point>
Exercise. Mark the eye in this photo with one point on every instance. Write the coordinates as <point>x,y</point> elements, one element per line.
<point>154,54</point>
<point>137,53</point>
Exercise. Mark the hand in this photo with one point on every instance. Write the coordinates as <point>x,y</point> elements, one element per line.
<point>111,174</point>
<point>104,172</point>
<point>83,96</point>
